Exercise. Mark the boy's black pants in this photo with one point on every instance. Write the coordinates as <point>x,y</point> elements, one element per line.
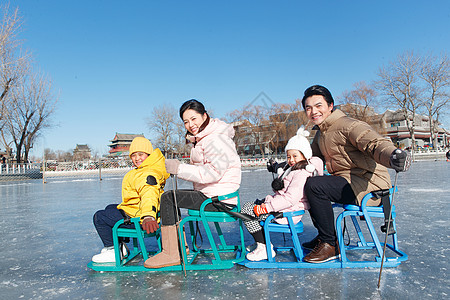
<point>104,221</point>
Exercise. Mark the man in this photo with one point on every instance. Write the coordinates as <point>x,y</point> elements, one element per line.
<point>355,155</point>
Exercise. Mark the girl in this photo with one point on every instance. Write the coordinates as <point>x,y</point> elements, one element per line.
<point>214,169</point>
<point>288,188</point>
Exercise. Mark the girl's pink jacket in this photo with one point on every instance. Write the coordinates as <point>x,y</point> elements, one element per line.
<point>291,197</point>
<point>215,166</point>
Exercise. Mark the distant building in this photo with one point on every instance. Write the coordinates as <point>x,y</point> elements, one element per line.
<point>274,135</point>
<point>271,136</point>
<point>7,154</point>
<point>120,144</point>
<point>397,131</point>
<point>81,152</point>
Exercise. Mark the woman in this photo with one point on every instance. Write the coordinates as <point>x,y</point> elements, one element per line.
<point>214,169</point>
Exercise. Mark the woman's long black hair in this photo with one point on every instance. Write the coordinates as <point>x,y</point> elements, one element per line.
<point>199,108</point>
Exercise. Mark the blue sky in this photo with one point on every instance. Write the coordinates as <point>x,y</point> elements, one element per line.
<point>111,62</point>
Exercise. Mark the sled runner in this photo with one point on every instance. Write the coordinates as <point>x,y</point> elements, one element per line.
<point>362,255</point>
<point>137,236</point>
<point>367,251</point>
<point>219,255</point>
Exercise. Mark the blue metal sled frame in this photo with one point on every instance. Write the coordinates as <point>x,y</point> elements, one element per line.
<point>364,212</point>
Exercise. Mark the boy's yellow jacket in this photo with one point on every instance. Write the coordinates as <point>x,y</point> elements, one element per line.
<point>142,187</point>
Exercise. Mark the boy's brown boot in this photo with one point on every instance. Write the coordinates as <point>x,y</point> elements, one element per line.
<point>170,255</point>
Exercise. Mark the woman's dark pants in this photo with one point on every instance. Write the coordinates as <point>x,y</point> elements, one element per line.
<point>189,199</point>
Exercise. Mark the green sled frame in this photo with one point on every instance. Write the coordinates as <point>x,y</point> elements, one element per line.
<point>219,255</point>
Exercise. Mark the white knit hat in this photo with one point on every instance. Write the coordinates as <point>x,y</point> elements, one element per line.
<point>300,142</point>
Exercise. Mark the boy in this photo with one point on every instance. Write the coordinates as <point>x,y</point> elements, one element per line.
<point>141,191</point>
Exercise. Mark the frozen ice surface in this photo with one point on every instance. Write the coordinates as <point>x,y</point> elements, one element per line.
<point>48,238</point>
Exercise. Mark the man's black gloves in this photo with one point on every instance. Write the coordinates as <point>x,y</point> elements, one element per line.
<point>273,166</point>
<point>400,160</point>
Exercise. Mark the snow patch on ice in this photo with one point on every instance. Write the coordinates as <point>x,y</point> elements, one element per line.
<point>16,184</point>
<point>74,180</point>
<point>167,285</point>
<point>252,170</point>
<point>56,291</point>
<point>424,190</point>
<point>9,283</point>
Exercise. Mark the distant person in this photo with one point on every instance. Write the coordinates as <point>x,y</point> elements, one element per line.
<point>448,155</point>
<point>214,170</point>
<point>356,157</point>
<point>288,192</point>
<point>3,160</point>
<point>141,191</point>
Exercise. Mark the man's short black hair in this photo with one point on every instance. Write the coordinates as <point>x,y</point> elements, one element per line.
<point>318,90</point>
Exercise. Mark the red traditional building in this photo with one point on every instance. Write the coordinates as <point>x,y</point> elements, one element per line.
<point>120,144</point>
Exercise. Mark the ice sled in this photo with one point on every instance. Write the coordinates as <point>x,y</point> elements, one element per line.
<point>219,254</point>
<point>363,254</point>
<point>366,252</point>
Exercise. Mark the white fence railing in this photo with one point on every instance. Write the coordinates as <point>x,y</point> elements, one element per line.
<point>20,171</point>
<point>106,168</point>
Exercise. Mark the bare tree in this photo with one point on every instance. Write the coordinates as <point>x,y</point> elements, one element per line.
<point>25,100</point>
<point>258,126</point>
<point>28,112</point>
<point>436,73</point>
<point>64,156</point>
<point>360,102</point>
<point>297,118</point>
<point>163,122</point>
<point>5,138</point>
<point>398,82</point>
<point>95,154</point>
<point>49,154</point>
<point>255,126</point>
<point>181,147</point>
<point>240,126</point>
<point>13,62</point>
<point>44,102</point>
<point>279,114</point>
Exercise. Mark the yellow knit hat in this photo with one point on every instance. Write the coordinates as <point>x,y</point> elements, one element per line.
<point>141,144</point>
